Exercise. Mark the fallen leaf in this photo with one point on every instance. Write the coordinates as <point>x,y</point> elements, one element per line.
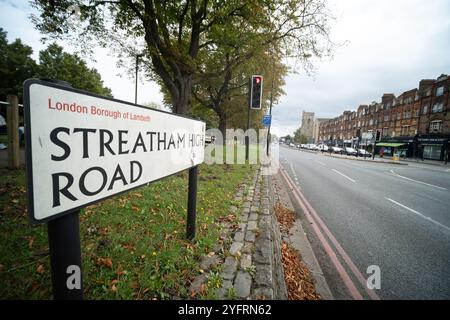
<point>203,289</point>
<point>106,262</point>
<point>40,269</point>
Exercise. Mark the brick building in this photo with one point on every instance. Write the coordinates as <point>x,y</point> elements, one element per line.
<point>316,128</point>
<point>417,122</point>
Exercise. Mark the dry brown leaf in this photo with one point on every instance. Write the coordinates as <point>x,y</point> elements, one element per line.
<point>40,269</point>
<point>299,282</point>
<point>285,217</point>
<point>106,262</point>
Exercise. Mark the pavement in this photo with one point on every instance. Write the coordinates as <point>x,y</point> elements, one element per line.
<point>375,214</point>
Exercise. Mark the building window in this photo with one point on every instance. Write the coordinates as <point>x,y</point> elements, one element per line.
<point>385,131</point>
<point>386,118</point>
<point>425,109</point>
<point>436,126</point>
<point>416,113</point>
<point>437,107</point>
<point>439,91</point>
<point>406,114</point>
<point>371,122</point>
<point>405,130</point>
<point>399,116</point>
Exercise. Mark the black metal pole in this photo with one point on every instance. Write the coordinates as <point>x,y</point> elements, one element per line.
<point>270,116</point>
<point>65,257</point>
<point>65,249</point>
<point>247,139</point>
<point>192,203</point>
<point>136,87</point>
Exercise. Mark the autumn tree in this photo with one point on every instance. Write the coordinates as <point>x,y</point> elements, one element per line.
<point>175,36</point>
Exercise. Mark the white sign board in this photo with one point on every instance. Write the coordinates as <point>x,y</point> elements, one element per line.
<point>367,135</point>
<point>82,148</point>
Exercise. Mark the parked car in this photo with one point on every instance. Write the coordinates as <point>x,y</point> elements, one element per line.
<point>322,147</point>
<point>337,150</point>
<point>364,153</point>
<point>351,152</point>
<point>3,130</point>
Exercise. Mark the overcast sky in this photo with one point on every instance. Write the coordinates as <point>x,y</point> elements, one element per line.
<point>391,45</point>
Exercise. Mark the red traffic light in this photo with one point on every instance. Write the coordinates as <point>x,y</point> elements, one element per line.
<point>258,80</point>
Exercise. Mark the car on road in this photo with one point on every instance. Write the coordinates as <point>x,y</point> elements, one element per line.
<point>337,150</point>
<point>364,153</point>
<point>350,151</point>
<point>323,147</point>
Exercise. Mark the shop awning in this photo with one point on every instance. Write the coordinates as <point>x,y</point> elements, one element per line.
<point>390,144</point>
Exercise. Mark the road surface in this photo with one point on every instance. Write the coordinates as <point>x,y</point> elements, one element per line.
<point>396,217</point>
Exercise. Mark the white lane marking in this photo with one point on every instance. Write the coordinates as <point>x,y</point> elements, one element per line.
<point>343,175</point>
<point>295,176</point>
<point>418,213</point>
<point>417,181</point>
<point>321,163</point>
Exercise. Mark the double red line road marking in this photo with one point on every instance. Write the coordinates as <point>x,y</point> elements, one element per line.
<point>322,232</point>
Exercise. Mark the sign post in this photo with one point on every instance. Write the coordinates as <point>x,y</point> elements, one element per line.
<point>192,203</point>
<point>65,257</point>
<point>83,148</point>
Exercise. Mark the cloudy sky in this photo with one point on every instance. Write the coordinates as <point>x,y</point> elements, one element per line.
<point>390,46</point>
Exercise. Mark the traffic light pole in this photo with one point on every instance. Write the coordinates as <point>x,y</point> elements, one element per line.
<point>247,139</point>
<point>270,115</point>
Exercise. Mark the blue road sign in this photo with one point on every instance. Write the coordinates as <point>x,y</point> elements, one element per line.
<point>267,120</point>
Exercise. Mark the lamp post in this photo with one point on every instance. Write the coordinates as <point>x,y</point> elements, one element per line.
<point>137,69</point>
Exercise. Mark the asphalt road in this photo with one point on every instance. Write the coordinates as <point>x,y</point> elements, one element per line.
<point>395,217</point>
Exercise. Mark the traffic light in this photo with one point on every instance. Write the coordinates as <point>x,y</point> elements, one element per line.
<point>256,92</point>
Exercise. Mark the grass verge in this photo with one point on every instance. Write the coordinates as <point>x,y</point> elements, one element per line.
<point>133,245</point>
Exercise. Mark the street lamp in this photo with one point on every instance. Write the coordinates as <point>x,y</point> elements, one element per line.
<point>137,69</point>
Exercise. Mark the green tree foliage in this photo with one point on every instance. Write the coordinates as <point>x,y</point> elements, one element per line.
<point>299,137</point>
<point>54,63</point>
<point>227,95</point>
<point>176,36</point>
<point>16,65</point>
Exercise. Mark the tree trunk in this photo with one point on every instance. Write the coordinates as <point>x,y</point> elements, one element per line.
<point>223,127</point>
<point>181,102</point>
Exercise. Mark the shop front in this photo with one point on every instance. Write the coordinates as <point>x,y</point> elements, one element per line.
<point>402,145</point>
<point>432,146</point>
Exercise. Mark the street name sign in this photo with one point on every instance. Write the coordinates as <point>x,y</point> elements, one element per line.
<point>82,148</point>
<point>267,120</point>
